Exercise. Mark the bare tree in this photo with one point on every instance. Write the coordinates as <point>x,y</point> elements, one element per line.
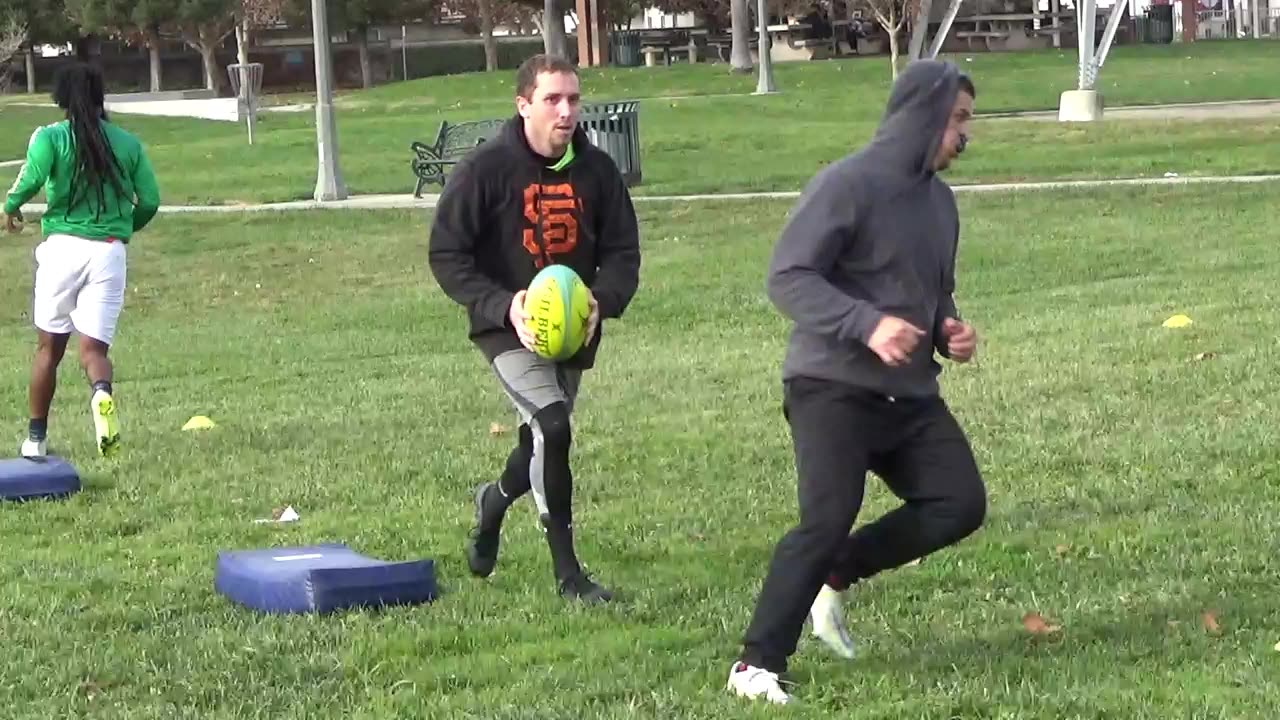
<point>204,25</point>
<point>892,15</point>
<point>251,15</point>
<point>483,16</point>
<point>12,36</point>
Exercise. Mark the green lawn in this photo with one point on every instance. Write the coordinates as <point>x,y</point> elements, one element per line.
<point>1133,486</point>
<point>724,139</point>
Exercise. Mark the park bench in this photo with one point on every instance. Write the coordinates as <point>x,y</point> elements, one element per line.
<point>452,143</point>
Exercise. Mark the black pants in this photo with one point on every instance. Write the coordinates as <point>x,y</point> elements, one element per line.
<point>839,433</point>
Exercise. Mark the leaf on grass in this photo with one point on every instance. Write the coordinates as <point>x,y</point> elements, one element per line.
<point>1206,356</point>
<point>1278,647</point>
<point>1209,619</point>
<point>90,689</point>
<point>497,428</point>
<point>1036,625</point>
<point>1177,321</point>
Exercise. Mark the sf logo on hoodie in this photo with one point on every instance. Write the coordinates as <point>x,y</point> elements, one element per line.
<point>549,209</point>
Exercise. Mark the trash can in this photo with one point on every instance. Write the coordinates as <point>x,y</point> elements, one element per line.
<point>615,128</point>
<point>624,48</point>
<point>1159,25</point>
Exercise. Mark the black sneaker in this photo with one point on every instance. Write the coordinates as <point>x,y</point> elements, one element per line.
<point>482,545</point>
<point>580,586</point>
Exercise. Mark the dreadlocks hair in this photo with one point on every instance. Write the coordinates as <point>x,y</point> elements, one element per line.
<point>79,92</point>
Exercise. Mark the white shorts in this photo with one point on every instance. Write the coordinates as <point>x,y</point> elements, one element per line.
<point>79,286</point>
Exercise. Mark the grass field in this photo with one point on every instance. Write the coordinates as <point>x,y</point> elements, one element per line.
<point>702,131</point>
<point>1132,472</point>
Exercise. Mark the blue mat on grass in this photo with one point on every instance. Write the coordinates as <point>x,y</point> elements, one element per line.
<point>320,579</point>
<point>37,478</point>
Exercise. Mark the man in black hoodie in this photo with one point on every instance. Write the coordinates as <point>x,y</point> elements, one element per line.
<point>537,194</point>
<point>865,270</point>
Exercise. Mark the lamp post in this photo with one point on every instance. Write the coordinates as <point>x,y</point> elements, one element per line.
<point>764,85</point>
<point>329,185</point>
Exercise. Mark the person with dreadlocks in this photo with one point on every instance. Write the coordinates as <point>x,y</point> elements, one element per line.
<point>100,190</point>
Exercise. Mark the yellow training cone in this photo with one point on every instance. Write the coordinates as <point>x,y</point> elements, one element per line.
<point>199,422</point>
<point>1177,321</point>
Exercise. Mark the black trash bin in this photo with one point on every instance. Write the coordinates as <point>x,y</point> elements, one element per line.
<point>615,128</point>
<point>624,48</point>
<point>1159,24</point>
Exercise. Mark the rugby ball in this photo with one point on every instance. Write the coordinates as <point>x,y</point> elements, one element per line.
<point>557,306</point>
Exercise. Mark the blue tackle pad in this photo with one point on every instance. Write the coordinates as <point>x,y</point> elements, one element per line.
<point>320,579</point>
<point>37,478</point>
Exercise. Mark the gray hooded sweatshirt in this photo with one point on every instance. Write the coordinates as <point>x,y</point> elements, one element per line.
<point>875,234</point>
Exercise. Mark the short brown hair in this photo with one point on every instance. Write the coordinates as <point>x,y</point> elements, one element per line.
<point>527,75</point>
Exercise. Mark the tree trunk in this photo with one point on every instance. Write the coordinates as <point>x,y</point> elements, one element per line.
<point>153,51</point>
<point>486,32</point>
<point>362,48</point>
<point>740,25</point>
<point>84,49</point>
<point>31,70</point>
<point>210,67</point>
<point>205,39</point>
<point>242,41</point>
<point>920,31</point>
<point>894,27</point>
<point>554,41</point>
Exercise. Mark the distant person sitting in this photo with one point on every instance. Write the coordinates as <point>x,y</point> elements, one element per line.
<point>855,31</point>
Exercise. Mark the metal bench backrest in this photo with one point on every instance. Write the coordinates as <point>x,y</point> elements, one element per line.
<point>460,138</point>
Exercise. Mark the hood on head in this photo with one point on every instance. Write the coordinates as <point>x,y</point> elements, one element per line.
<point>916,115</point>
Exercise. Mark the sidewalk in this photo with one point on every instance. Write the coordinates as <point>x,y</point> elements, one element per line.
<point>1216,110</point>
<point>408,202</point>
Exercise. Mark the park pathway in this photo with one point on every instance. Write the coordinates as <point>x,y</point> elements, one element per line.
<point>408,202</point>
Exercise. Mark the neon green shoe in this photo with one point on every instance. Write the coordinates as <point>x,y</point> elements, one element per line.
<point>105,423</point>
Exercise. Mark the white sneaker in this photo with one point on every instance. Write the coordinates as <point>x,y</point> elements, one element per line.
<point>827,615</point>
<point>33,448</point>
<point>752,682</point>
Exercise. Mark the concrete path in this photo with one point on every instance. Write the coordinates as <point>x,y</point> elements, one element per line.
<point>408,202</point>
<point>1232,110</point>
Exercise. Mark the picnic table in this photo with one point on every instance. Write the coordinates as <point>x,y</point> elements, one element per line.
<point>1014,31</point>
<point>789,42</point>
<point>669,43</point>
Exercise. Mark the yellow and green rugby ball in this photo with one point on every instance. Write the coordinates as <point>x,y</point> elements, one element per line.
<point>557,306</point>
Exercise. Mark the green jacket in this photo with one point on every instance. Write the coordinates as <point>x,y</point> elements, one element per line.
<point>51,164</point>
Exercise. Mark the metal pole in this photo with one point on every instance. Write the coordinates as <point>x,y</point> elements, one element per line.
<point>329,185</point>
<point>1085,10</point>
<point>764,85</point>
<point>952,9</point>
<point>404,53</point>
<point>251,104</point>
<point>1108,36</point>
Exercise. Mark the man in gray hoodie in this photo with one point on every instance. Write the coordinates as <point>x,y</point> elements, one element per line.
<point>865,270</point>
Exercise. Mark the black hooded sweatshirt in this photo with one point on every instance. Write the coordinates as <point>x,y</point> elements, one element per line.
<point>505,214</point>
<point>875,234</point>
